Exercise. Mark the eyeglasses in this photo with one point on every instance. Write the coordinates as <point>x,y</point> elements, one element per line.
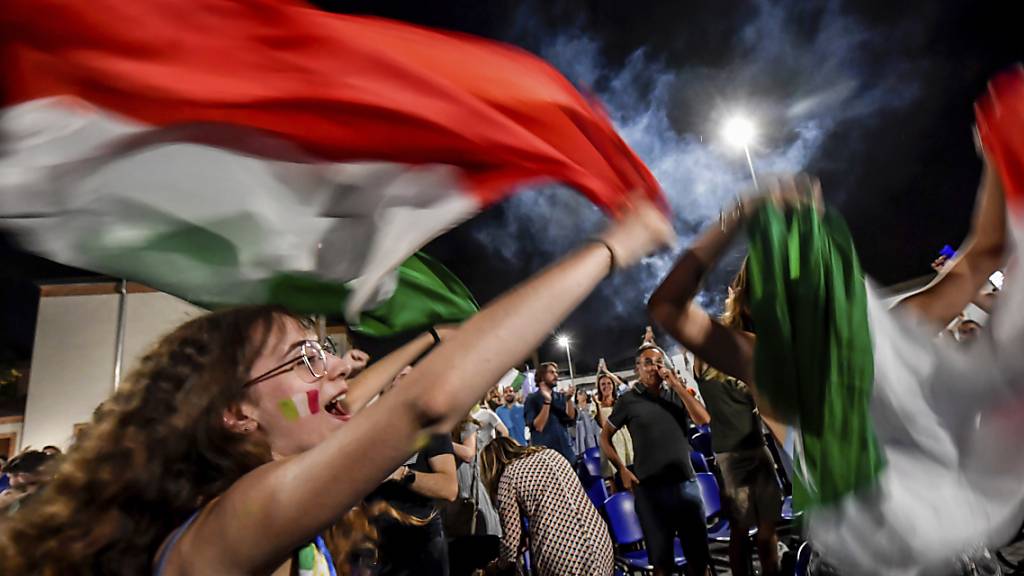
<point>311,353</point>
<point>648,362</point>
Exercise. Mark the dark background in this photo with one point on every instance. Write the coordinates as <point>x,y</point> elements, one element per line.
<point>896,158</point>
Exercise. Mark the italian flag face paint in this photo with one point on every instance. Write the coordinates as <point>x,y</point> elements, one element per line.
<point>300,405</point>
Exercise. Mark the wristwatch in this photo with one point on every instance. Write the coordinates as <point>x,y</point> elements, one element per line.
<point>409,478</point>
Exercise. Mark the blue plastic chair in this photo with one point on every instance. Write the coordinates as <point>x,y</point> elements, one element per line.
<point>596,491</point>
<point>626,532</point>
<point>718,529</point>
<point>803,559</point>
<point>701,442</point>
<point>592,461</point>
<point>787,512</point>
<point>527,560</point>
<point>698,461</point>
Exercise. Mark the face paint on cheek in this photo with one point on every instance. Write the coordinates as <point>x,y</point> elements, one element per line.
<point>300,405</point>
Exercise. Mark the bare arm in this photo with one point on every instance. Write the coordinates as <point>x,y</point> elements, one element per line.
<point>673,307</point>
<point>607,446</point>
<point>985,300</point>
<point>292,498</point>
<point>466,450</point>
<point>442,483</point>
<point>982,254</point>
<point>542,417</point>
<point>570,404</point>
<point>629,480</point>
<point>373,379</point>
<point>501,428</point>
<point>698,412</point>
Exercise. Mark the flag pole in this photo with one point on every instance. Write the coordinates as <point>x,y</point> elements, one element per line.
<point>122,298</point>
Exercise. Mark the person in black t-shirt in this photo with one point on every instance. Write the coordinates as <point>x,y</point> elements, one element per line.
<point>415,543</point>
<point>751,494</point>
<point>657,411</point>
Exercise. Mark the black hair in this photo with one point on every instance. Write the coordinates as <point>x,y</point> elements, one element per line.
<point>27,462</point>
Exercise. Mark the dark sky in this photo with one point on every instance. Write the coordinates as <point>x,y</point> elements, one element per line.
<point>874,97</point>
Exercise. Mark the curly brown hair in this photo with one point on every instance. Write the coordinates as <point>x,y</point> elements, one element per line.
<point>155,452</point>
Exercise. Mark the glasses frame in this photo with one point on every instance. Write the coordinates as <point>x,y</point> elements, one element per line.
<point>308,348</point>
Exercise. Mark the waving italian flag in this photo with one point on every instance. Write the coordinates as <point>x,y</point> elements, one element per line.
<point>910,459</point>
<point>246,151</point>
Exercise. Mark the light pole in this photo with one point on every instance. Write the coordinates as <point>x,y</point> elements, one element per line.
<point>739,131</point>
<point>563,341</point>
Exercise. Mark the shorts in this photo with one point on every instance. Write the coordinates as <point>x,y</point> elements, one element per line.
<point>750,489</point>
<point>667,510</point>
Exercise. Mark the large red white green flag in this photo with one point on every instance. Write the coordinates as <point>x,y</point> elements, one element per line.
<point>233,151</point>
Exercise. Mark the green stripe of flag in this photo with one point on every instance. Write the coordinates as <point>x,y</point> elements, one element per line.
<point>813,357</point>
<point>198,264</point>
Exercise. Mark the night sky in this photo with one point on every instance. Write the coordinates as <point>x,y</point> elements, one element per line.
<point>874,97</point>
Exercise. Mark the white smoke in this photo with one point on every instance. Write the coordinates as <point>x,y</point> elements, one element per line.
<point>811,84</point>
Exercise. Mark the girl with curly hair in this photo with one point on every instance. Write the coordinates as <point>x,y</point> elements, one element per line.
<point>233,449</point>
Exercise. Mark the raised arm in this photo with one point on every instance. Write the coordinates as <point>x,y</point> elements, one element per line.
<point>543,413</point>
<point>465,449</point>
<point>292,499</point>
<point>373,379</point>
<point>673,307</point>
<point>697,411</point>
<point>981,254</point>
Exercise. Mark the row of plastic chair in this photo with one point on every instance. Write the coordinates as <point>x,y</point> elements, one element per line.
<point>628,536</point>
<point>618,509</point>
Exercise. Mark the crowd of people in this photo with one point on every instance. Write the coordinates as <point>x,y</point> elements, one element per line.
<point>243,444</point>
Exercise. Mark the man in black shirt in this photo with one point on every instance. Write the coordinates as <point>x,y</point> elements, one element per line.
<point>406,549</point>
<point>657,411</point>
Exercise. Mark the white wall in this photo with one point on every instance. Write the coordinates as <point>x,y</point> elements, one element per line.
<point>73,356</point>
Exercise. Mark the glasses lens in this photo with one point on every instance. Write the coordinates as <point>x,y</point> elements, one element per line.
<point>315,359</point>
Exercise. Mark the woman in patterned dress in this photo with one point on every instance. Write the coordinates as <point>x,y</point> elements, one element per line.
<point>567,535</point>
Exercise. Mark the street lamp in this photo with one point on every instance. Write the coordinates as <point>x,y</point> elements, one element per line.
<point>739,131</point>
<point>563,341</point>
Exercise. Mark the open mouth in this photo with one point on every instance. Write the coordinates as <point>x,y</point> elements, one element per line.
<point>337,407</point>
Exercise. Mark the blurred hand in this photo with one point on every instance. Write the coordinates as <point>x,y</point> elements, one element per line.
<point>545,394</point>
<point>629,480</point>
<point>398,474</point>
<point>357,359</point>
<point>939,263</point>
<point>667,374</point>
<point>794,191</point>
<point>570,393</point>
<point>641,230</point>
<point>787,192</point>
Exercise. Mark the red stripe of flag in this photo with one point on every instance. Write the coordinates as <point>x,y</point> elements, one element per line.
<point>1000,116</point>
<point>313,400</point>
<point>344,88</point>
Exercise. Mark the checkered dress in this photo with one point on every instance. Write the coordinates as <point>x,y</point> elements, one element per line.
<point>567,535</point>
